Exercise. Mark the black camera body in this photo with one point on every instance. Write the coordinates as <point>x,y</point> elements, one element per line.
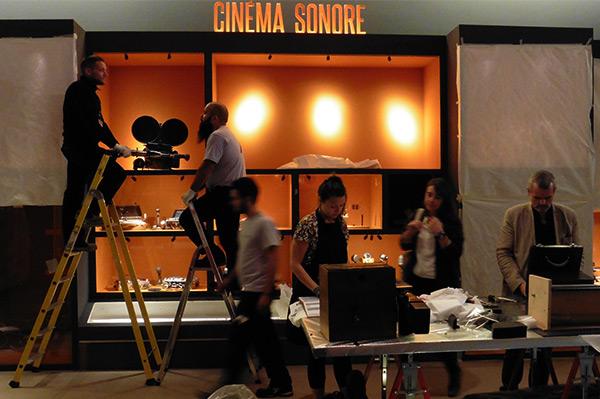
<point>159,141</point>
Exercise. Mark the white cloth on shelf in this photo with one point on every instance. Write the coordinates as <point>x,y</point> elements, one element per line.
<point>312,161</point>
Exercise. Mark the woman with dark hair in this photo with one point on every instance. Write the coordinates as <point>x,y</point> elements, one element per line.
<point>435,242</point>
<point>321,237</point>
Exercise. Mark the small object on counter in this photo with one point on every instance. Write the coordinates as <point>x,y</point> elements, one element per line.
<point>177,282</point>
<point>356,258</point>
<point>368,258</point>
<point>414,316</point>
<point>453,322</point>
<point>509,329</point>
<point>143,283</point>
<point>159,273</point>
<point>155,288</point>
<point>157,220</point>
<point>384,258</point>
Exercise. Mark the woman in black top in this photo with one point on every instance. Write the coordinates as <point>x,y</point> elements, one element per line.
<point>435,244</point>
<point>320,238</point>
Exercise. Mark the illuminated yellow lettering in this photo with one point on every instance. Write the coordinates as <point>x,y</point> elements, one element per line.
<point>311,18</point>
<point>228,17</point>
<point>360,19</point>
<point>218,24</point>
<point>249,17</point>
<point>299,12</point>
<point>324,18</point>
<point>237,17</point>
<point>337,19</point>
<point>278,21</point>
<point>349,19</point>
<point>263,19</point>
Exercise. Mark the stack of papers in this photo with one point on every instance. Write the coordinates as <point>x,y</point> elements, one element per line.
<point>311,305</point>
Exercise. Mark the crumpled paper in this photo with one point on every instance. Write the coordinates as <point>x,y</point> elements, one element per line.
<point>280,307</point>
<point>233,392</point>
<point>297,313</point>
<point>312,161</point>
<point>451,301</point>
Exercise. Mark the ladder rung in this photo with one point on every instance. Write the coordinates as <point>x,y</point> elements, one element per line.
<point>43,332</point>
<point>53,306</point>
<point>62,280</point>
<point>35,357</point>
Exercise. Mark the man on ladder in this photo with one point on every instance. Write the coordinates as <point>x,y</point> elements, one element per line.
<point>83,128</point>
<point>223,164</point>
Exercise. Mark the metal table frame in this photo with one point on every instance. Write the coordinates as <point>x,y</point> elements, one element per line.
<point>439,341</point>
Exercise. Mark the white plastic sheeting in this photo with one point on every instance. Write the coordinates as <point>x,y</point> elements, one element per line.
<point>597,132</point>
<point>34,74</point>
<point>522,108</point>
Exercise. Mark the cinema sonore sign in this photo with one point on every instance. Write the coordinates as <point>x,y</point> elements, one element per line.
<point>336,18</point>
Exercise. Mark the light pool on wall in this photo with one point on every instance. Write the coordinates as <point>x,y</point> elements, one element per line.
<point>327,116</point>
<point>250,114</point>
<point>401,124</point>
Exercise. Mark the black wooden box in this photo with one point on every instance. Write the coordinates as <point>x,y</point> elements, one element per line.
<point>358,302</point>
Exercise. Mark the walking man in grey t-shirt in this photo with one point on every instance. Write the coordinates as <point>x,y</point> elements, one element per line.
<point>258,240</point>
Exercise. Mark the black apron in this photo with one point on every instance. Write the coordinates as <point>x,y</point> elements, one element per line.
<point>332,248</point>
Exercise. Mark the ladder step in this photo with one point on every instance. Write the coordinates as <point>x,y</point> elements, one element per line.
<point>35,357</point>
<point>53,306</point>
<point>43,332</point>
<point>62,280</point>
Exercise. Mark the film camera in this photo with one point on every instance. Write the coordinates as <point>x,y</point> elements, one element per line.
<point>159,141</point>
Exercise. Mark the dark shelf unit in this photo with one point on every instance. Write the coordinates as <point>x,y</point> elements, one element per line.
<point>210,43</point>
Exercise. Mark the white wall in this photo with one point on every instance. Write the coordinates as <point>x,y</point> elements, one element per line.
<point>431,17</point>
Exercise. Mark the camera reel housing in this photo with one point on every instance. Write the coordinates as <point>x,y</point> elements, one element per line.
<point>159,141</point>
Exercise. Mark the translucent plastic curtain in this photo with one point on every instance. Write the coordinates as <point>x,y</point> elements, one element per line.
<point>34,74</point>
<point>597,132</point>
<point>522,108</point>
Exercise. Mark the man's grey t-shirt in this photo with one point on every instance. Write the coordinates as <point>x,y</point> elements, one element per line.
<point>256,234</point>
<point>226,152</point>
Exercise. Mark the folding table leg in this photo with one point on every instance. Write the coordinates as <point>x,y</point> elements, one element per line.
<point>384,375</point>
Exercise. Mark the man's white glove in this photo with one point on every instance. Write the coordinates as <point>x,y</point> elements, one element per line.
<point>188,196</point>
<point>123,150</point>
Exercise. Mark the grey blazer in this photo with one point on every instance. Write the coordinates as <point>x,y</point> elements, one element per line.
<point>517,236</point>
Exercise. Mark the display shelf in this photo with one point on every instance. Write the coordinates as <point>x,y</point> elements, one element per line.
<point>172,256</point>
<point>168,233</point>
<point>163,192</point>
<point>288,85</point>
<point>292,172</point>
<point>320,95</point>
<point>364,199</point>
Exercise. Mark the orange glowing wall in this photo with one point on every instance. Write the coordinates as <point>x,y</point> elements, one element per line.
<point>161,92</point>
<point>364,94</point>
<point>363,198</point>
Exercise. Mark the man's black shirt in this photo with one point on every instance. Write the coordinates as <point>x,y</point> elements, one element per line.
<point>544,227</point>
<point>83,125</point>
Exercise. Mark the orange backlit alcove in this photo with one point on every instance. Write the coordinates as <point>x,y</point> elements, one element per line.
<point>354,107</point>
<point>162,85</point>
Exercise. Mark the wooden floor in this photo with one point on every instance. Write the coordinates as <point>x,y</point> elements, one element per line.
<point>478,376</point>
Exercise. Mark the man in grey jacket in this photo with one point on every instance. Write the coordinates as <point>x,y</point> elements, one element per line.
<point>539,221</point>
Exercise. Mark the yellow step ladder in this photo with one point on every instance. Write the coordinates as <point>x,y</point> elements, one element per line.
<point>44,325</point>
